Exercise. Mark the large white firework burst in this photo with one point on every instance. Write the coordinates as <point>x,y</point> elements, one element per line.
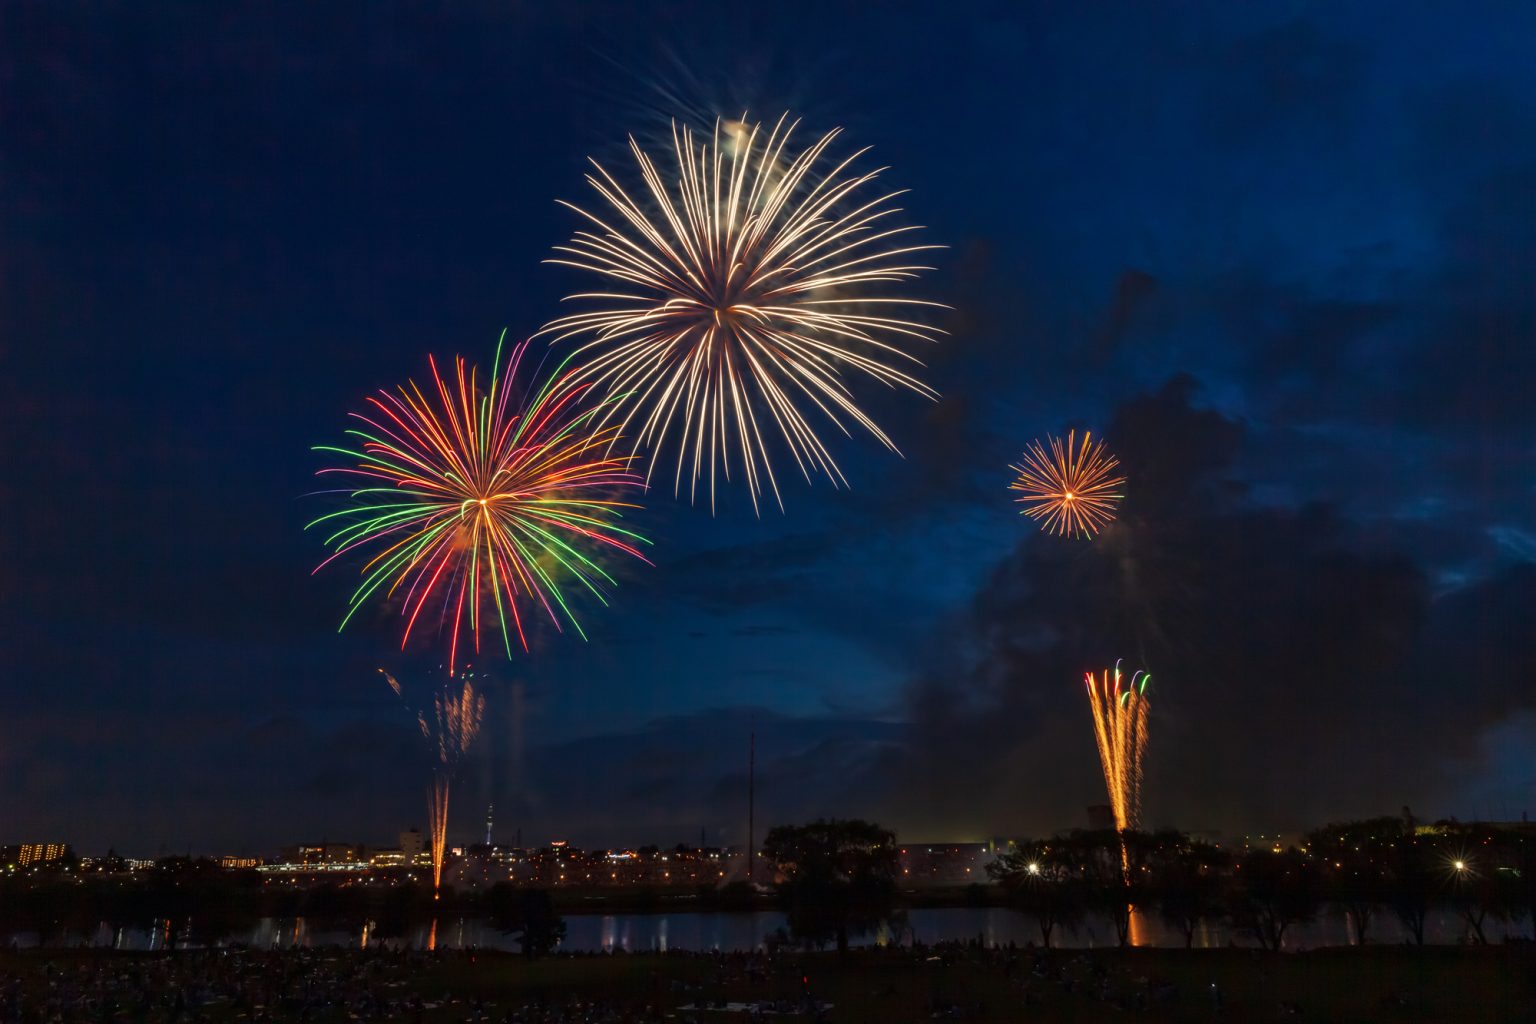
<point>750,283</point>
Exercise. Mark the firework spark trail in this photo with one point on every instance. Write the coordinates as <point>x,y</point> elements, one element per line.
<point>1070,489</point>
<point>1120,729</point>
<point>475,500</point>
<point>747,283</point>
<point>450,729</point>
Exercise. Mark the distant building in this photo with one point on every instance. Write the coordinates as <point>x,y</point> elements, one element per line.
<point>321,854</point>
<point>235,863</point>
<point>1101,816</point>
<point>27,855</point>
<point>412,843</point>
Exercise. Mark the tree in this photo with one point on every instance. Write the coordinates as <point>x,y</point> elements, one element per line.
<point>330,907</point>
<point>1414,876</point>
<point>1039,882</point>
<point>1354,858</point>
<point>1272,891</point>
<point>1482,874</point>
<point>1520,857</point>
<point>1111,867</point>
<point>1187,881</point>
<point>836,879</point>
<point>399,908</point>
<point>222,903</point>
<point>528,915</point>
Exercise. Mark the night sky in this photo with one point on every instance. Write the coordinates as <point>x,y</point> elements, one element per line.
<point>1282,255</point>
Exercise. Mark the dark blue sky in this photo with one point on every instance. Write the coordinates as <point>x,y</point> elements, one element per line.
<point>1284,255</point>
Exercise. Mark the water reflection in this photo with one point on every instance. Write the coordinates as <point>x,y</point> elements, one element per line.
<point>702,930</point>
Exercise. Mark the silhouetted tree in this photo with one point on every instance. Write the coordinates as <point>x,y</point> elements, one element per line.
<point>1188,881</point>
<point>222,903</point>
<point>330,907</point>
<point>836,879</point>
<point>1520,855</point>
<point>1272,891</point>
<point>1112,867</point>
<point>1481,877</point>
<point>1415,876</point>
<point>1354,857</point>
<point>399,908</point>
<point>528,915</point>
<point>1039,882</point>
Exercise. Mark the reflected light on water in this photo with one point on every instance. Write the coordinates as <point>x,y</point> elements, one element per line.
<point>1137,933</point>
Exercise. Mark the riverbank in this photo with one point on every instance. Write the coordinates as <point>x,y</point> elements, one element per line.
<point>1490,984</point>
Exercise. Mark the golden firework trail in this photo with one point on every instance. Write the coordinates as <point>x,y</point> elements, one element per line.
<point>1070,489</point>
<point>749,282</point>
<point>1120,727</point>
<point>450,729</point>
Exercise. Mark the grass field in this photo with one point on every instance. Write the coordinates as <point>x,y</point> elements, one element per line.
<point>1492,984</point>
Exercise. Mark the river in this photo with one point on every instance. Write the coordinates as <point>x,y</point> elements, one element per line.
<point>711,930</point>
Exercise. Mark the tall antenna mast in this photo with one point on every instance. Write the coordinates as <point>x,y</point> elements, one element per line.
<point>751,800</point>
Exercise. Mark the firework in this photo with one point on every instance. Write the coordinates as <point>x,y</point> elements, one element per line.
<point>481,504</point>
<point>748,283</point>
<point>449,726</point>
<point>1120,727</point>
<point>1070,489</point>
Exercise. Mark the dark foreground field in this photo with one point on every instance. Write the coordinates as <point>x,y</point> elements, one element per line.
<point>1348,985</point>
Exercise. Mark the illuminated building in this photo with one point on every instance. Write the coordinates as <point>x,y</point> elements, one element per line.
<point>321,854</point>
<point>28,855</point>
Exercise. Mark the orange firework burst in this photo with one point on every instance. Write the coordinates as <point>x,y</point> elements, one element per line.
<point>1070,489</point>
<point>1120,727</point>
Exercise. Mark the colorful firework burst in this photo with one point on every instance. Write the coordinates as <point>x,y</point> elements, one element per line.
<point>482,504</point>
<point>750,283</point>
<point>454,722</point>
<point>1070,489</point>
<point>1120,727</point>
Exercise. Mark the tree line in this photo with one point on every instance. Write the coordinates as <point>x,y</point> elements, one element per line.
<point>837,881</point>
<point>1363,869</point>
<point>195,901</point>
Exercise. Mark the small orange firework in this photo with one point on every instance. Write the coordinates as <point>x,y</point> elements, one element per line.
<point>1070,489</point>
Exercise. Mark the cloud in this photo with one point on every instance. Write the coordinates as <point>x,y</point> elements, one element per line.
<point>1302,671</point>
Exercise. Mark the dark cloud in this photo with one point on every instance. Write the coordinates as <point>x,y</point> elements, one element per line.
<point>1299,674</point>
<point>1474,366</point>
<point>1133,291</point>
